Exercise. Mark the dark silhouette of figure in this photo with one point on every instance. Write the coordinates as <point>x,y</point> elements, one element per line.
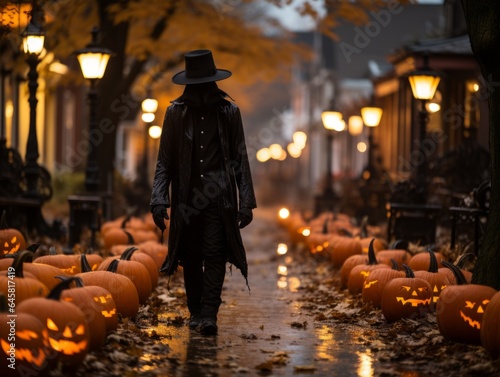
<point>203,176</point>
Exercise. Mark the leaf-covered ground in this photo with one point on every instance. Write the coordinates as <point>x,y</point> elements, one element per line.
<point>158,343</point>
<point>407,347</point>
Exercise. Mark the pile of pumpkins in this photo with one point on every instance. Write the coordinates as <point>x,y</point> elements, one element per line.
<point>405,285</point>
<point>66,305</point>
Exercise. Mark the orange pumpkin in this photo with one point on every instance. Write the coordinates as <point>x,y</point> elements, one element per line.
<point>155,250</point>
<point>31,342</point>
<point>374,283</point>
<point>401,256</point>
<point>340,248</point>
<point>13,280</point>
<point>121,288</point>
<point>460,308</point>
<point>133,253</point>
<point>135,271</point>
<point>83,297</point>
<point>490,330</point>
<point>421,261</point>
<point>348,265</point>
<point>11,240</point>
<point>359,273</point>
<point>66,324</point>
<point>460,264</point>
<point>436,279</point>
<point>405,297</point>
<point>67,263</point>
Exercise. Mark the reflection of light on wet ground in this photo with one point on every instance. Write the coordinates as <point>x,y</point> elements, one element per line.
<point>327,343</point>
<point>282,283</point>
<point>365,368</point>
<point>282,249</point>
<point>292,283</point>
<point>282,270</point>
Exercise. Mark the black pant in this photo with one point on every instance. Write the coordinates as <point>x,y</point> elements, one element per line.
<point>204,261</point>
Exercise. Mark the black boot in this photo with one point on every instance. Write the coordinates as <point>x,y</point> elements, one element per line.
<point>208,325</point>
<point>194,321</point>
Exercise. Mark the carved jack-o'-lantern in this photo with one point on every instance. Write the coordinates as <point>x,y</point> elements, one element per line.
<point>406,297</point>
<point>460,308</point>
<point>360,272</point>
<point>374,283</point>
<point>11,240</point>
<point>436,279</point>
<point>98,304</point>
<point>66,324</point>
<point>31,340</point>
<point>490,331</point>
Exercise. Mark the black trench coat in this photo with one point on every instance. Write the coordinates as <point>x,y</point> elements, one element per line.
<point>173,170</point>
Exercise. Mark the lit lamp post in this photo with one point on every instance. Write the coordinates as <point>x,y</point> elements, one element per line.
<point>371,116</point>
<point>332,121</point>
<point>149,107</point>
<point>424,83</point>
<point>33,40</point>
<point>93,60</point>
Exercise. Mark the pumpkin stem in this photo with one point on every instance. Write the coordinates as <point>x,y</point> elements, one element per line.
<point>78,280</point>
<point>325,227</point>
<point>3,221</point>
<point>125,221</point>
<point>372,259</point>
<point>363,229</point>
<point>463,259</point>
<point>127,254</point>
<point>55,293</point>
<point>33,247</point>
<point>130,238</point>
<point>459,276</point>
<point>408,271</point>
<point>84,264</point>
<point>395,265</point>
<point>113,266</point>
<point>18,263</point>
<point>399,244</point>
<point>433,265</point>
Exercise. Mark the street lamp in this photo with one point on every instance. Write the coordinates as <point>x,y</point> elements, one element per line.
<point>149,107</point>
<point>33,40</point>
<point>93,60</point>
<point>371,116</point>
<point>424,83</point>
<point>332,121</point>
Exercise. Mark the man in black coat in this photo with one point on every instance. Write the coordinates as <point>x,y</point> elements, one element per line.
<point>203,175</point>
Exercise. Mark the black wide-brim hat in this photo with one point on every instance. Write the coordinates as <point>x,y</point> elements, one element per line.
<point>200,68</point>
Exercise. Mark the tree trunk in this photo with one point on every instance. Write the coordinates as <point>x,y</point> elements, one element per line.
<point>483,18</point>
<point>112,105</point>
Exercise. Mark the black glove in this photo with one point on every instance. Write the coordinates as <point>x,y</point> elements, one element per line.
<point>244,217</point>
<point>159,212</point>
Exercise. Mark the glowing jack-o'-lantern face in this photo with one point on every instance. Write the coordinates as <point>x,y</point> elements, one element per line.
<point>474,314</point>
<point>436,291</point>
<point>13,242</point>
<point>105,302</point>
<point>31,342</point>
<point>11,239</point>
<point>69,340</point>
<point>418,296</point>
<point>29,346</point>
<point>369,284</point>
